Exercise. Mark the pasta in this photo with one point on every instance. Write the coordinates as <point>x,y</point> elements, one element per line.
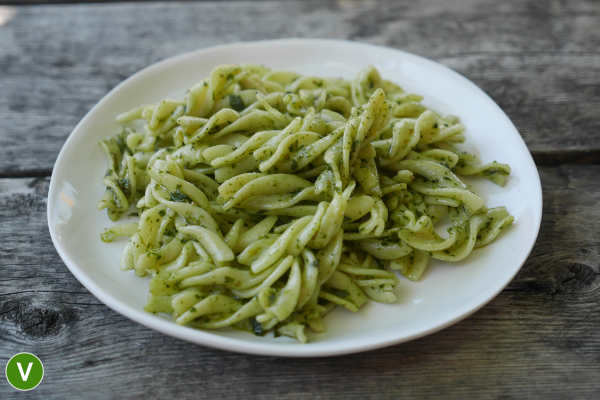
<point>267,198</point>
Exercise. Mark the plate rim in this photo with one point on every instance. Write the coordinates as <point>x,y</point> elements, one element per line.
<point>206,338</point>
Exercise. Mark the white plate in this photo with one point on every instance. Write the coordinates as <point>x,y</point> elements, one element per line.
<point>447,293</point>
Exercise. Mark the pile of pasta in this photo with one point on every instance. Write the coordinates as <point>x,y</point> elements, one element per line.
<point>267,198</point>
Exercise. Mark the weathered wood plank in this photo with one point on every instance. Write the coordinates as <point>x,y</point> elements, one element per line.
<point>537,339</point>
<point>538,60</point>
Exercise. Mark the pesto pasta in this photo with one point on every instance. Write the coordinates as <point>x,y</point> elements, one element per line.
<point>267,198</point>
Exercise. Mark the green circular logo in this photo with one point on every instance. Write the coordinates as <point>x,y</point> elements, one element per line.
<point>24,371</point>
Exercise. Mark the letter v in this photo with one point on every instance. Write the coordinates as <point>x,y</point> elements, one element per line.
<point>24,376</point>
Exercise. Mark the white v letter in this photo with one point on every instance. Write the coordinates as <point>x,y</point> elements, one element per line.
<point>24,376</point>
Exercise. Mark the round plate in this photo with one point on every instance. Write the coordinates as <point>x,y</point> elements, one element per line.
<point>447,292</point>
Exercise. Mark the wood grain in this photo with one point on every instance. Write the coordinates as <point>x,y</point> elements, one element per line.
<point>538,339</point>
<point>539,60</point>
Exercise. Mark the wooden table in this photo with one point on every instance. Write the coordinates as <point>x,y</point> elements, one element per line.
<point>539,60</point>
